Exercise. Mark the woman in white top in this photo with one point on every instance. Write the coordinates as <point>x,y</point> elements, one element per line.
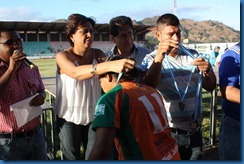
<point>78,87</point>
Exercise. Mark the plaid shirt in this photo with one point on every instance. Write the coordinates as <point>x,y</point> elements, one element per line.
<point>24,83</point>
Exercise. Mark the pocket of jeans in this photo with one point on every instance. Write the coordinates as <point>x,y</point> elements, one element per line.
<point>4,141</point>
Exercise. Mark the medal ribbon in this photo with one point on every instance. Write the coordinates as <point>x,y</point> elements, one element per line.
<point>182,97</point>
<point>199,86</point>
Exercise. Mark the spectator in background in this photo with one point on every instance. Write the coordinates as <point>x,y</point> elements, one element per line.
<point>214,55</point>
<point>132,115</point>
<point>174,75</point>
<point>229,82</point>
<point>18,82</point>
<point>218,59</point>
<point>122,33</point>
<point>78,87</point>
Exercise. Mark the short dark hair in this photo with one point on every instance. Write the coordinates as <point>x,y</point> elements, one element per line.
<point>7,30</point>
<point>116,23</point>
<point>136,74</point>
<point>168,20</point>
<point>73,22</point>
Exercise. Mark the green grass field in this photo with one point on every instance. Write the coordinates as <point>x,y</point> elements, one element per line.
<point>47,68</point>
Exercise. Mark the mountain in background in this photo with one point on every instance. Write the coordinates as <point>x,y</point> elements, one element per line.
<point>200,32</point>
<point>61,21</point>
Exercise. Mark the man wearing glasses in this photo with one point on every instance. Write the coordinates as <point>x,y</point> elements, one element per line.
<point>18,82</point>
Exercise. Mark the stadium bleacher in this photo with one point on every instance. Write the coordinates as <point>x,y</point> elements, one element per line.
<point>37,48</point>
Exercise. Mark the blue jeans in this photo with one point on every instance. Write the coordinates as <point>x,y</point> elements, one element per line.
<point>72,137</point>
<point>91,141</point>
<point>230,139</point>
<point>32,148</point>
<point>190,146</point>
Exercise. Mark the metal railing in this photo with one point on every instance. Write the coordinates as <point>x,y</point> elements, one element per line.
<point>213,110</point>
<point>50,131</point>
<point>48,119</point>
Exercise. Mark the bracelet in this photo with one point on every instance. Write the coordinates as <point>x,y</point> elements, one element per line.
<point>94,70</point>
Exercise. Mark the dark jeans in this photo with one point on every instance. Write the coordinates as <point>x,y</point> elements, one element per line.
<point>72,137</point>
<point>230,139</point>
<point>32,148</point>
<point>190,146</point>
<point>91,141</point>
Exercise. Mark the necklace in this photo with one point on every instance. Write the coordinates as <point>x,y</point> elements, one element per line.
<point>182,97</point>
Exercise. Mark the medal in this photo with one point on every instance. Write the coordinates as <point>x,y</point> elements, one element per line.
<point>181,95</point>
<point>181,105</point>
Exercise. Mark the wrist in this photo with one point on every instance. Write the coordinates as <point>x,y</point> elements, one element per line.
<point>208,71</point>
<point>94,70</point>
<point>43,94</point>
<point>10,72</point>
<point>159,58</point>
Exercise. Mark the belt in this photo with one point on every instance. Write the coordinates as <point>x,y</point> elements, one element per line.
<point>28,134</point>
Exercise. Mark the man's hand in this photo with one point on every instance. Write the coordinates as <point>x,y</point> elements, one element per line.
<point>165,47</point>
<point>201,64</point>
<point>15,60</point>
<point>38,100</point>
<point>209,78</point>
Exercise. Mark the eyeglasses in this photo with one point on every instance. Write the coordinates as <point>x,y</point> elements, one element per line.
<point>9,42</point>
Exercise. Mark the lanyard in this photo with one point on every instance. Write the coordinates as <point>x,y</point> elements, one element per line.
<point>182,97</point>
<point>199,86</point>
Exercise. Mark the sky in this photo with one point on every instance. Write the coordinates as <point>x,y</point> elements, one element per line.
<point>225,11</point>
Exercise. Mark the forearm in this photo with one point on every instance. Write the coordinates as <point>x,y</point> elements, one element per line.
<point>98,153</point>
<point>231,93</point>
<point>154,74</point>
<point>103,143</point>
<point>89,71</point>
<point>209,81</point>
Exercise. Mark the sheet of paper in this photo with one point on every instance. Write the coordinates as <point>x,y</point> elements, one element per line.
<point>46,106</point>
<point>24,112</point>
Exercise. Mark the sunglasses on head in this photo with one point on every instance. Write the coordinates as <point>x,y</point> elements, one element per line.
<point>12,41</point>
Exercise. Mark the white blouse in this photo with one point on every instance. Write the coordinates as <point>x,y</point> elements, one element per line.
<point>76,99</point>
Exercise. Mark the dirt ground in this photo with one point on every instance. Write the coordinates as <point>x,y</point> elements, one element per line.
<point>211,152</point>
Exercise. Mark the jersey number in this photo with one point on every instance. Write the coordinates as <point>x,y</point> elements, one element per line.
<point>151,111</point>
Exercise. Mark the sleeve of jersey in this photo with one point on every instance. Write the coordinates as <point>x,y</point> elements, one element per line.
<point>148,60</point>
<point>106,111</point>
<point>229,77</point>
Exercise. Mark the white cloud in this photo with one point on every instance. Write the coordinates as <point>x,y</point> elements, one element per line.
<point>22,14</point>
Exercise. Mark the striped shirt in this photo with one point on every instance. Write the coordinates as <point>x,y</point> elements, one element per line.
<point>24,83</point>
<point>137,54</point>
<point>181,69</point>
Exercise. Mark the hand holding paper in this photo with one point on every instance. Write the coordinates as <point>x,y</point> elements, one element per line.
<point>24,112</point>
